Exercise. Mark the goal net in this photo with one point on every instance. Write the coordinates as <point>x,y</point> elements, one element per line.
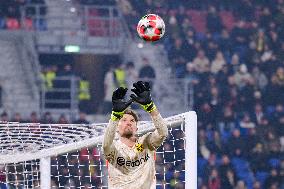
<point>43,156</point>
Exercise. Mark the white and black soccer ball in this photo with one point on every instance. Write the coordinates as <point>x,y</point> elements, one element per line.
<point>151,27</point>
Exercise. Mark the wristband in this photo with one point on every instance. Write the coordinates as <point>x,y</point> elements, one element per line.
<point>115,116</point>
<point>149,107</point>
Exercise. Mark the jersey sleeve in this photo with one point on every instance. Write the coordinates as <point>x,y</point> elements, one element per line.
<point>155,139</point>
<point>109,149</point>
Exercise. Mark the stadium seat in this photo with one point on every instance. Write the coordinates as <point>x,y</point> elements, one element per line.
<point>93,12</point>
<point>201,165</point>
<point>198,19</point>
<point>12,24</point>
<point>240,165</point>
<point>97,27</point>
<point>2,23</point>
<point>274,162</point>
<point>248,177</point>
<point>228,19</point>
<point>261,176</point>
<point>28,24</point>
<point>40,24</point>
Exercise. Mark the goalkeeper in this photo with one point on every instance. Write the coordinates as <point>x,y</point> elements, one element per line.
<point>131,159</point>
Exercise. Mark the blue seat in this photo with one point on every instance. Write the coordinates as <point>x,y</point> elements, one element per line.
<point>169,175</point>
<point>274,162</point>
<point>201,163</point>
<point>240,164</point>
<point>2,23</point>
<point>40,24</point>
<point>261,176</point>
<point>247,177</point>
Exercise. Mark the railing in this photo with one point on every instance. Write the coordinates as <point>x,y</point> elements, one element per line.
<point>29,61</point>
<point>89,27</point>
<point>62,97</point>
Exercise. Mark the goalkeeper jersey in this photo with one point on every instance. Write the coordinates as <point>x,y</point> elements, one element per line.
<point>133,167</point>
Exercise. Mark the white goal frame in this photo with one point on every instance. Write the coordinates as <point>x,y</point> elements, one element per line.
<point>187,120</point>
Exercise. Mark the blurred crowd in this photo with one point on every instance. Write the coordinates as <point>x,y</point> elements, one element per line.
<point>232,53</point>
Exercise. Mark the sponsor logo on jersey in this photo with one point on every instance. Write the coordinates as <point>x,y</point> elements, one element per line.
<point>121,161</point>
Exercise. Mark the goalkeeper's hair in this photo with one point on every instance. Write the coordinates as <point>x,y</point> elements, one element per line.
<point>133,113</point>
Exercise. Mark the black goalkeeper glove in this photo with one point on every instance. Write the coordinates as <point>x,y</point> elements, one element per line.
<point>143,95</point>
<point>118,104</point>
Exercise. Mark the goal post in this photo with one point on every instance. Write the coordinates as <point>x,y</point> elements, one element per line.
<point>190,149</point>
<point>57,155</point>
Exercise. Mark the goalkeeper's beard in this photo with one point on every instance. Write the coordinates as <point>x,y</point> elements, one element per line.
<point>127,134</point>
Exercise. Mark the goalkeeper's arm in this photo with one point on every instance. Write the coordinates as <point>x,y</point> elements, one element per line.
<point>142,95</point>
<point>119,106</point>
<point>109,136</point>
<point>155,139</point>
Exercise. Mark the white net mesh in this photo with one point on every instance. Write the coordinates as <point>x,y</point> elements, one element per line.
<point>76,156</point>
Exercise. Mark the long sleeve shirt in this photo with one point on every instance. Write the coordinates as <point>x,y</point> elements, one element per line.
<point>133,167</point>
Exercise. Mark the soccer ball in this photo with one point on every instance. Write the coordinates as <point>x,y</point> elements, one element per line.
<point>151,27</point>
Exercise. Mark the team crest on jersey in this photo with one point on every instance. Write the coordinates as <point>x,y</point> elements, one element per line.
<point>139,147</point>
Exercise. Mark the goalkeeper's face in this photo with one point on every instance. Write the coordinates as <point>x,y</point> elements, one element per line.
<point>127,126</point>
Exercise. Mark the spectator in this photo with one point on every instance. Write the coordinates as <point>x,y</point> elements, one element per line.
<point>216,144</point>
<point>242,76</point>
<point>17,118</point>
<point>229,180</point>
<point>246,122</point>
<point>258,113</point>
<point>272,144</point>
<point>47,118</point>
<point>62,119</point>
<point>131,74</point>
<point>240,185</point>
<point>239,37</point>
<point>4,117</point>
<point>236,143</point>
<point>214,23</point>
<point>34,118</point>
<point>82,119</point>
<point>258,159</point>
<point>218,63</point>
<point>273,179</point>
<point>67,71</point>
<point>109,87</point>
<point>201,63</point>
<point>147,72</point>
<point>256,185</point>
<point>120,75</point>
<point>235,63</point>
<point>191,75</point>
<point>260,78</point>
<point>260,41</point>
<point>84,95</point>
<point>214,181</point>
<point>279,77</point>
<point>177,55</point>
<point>224,167</point>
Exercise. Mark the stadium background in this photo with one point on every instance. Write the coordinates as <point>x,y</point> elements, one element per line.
<point>224,59</point>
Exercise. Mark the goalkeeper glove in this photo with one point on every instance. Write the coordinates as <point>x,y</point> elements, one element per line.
<point>143,95</point>
<point>118,104</point>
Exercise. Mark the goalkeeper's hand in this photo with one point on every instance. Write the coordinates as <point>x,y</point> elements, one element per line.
<point>118,103</point>
<point>142,95</point>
